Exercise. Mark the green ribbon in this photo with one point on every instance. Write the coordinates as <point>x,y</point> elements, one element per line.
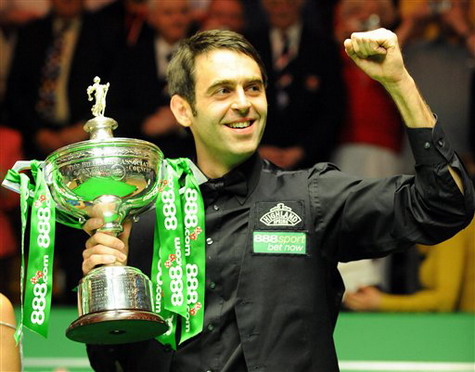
<point>35,303</point>
<point>178,267</point>
<point>24,183</point>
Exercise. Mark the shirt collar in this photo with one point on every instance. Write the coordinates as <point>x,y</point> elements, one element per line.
<point>163,52</point>
<point>293,33</point>
<point>240,181</point>
<point>199,175</point>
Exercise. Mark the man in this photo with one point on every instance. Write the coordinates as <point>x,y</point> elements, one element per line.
<point>440,35</point>
<point>55,59</point>
<point>13,15</point>
<point>305,86</point>
<point>372,130</point>
<point>139,99</point>
<point>121,24</point>
<point>272,307</point>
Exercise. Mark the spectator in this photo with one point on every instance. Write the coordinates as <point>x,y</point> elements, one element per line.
<point>139,98</point>
<point>12,16</point>
<point>325,11</point>
<point>54,61</point>
<point>429,20</point>
<point>372,133</point>
<point>371,137</point>
<point>121,25</point>
<point>449,51</point>
<point>305,88</point>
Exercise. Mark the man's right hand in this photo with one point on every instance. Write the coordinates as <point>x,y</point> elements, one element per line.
<point>103,248</point>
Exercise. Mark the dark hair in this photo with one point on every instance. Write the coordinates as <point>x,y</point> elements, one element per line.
<point>181,69</point>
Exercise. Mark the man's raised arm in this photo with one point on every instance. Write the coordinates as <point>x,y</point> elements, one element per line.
<point>378,54</point>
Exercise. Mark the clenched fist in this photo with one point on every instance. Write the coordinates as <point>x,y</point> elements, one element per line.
<point>378,54</point>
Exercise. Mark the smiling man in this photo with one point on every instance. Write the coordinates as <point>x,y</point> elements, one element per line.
<point>228,116</point>
<point>274,238</point>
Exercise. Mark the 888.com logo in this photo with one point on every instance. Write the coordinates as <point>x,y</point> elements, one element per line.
<point>39,280</point>
<point>40,289</point>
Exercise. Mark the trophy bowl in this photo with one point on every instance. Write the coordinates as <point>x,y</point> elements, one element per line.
<point>110,178</point>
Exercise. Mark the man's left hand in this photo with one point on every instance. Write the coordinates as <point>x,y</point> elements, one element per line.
<point>378,54</point>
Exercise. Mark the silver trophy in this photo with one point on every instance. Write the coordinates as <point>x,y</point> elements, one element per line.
<point>112,178</point>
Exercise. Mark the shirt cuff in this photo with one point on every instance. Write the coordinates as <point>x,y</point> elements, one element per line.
<point>430,145</point>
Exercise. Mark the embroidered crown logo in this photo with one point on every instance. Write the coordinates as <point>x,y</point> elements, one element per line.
<point>280,215</point>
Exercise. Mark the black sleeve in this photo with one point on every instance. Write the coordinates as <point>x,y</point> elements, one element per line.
<point>371,218</point>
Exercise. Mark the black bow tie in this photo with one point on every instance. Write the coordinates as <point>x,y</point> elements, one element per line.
<point>234,183</point>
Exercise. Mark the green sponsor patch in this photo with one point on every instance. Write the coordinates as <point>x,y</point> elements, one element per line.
<point>272,242</point>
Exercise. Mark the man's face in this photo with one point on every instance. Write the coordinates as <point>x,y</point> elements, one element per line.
<point>282,13</point>
<point>67,8</point>
<point>226,14</point>
<point>231,109</point>
<point>362,15</point>
<point>172,19</point>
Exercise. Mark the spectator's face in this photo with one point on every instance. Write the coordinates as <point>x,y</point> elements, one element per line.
<point>231,108</point>
<point>362,15</point>
<point>171,18</point>
<point>282,13</point>
<point>67,8</point>
<point>225,14</point>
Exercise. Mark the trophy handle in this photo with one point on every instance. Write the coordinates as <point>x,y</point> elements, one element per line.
<point>24,165</point>
<point>19,166</point>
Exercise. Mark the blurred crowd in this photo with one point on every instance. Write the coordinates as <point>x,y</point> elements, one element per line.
<point>321,108</point>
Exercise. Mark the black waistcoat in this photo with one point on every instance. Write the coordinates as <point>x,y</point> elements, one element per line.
<point>287,303</point>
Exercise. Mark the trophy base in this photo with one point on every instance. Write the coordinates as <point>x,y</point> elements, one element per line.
<point>112,327</point>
